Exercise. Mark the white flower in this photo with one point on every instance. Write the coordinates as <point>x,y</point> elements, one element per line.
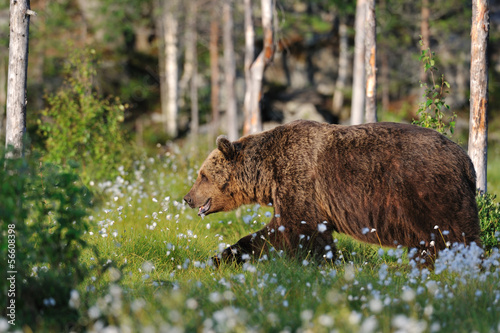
<point>306,315</point>
<point>191,303</point>
<point>349,273</point>
<point>321,228</point>
<point>375,305</point>
<point>408,295</point>
<point>432,286</point>
<point>325,320</point>
<point>4,325</point>
<point>281,228</point>
<point>94,312</point>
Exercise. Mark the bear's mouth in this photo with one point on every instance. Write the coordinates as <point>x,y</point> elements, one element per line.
<point>205,208</point>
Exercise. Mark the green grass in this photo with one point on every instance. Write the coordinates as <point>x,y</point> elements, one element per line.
<point>494,169</point>
<point>159,275</point>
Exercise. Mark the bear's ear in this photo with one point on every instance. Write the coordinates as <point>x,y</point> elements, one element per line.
<point>226,147</point>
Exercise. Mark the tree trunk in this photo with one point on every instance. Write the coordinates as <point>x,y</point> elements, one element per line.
<point>171,68</point>
<point>255,70</point>
<point>3,93</point>
<point>340,84</point>
<point>190,43</point>
<point>194,77</point>
<point>370,63</point>
<point>189,75</point>
<point>214,68</point>
<point>425,33</point>
<point>160,32</point>
<point>230,71</point>
<point>478,126</point>
<point>249,55</point>
<point>20,13</point>
<point>358,84</point>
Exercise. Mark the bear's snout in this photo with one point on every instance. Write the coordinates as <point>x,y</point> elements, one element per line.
<point>189,200</point>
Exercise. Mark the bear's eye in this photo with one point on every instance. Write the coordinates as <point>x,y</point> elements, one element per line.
<point>203,177</point>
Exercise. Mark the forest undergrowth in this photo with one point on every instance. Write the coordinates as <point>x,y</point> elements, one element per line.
<point>144,265</point>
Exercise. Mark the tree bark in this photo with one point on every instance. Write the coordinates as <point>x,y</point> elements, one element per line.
<point>171,68</point>
<point>425,33</point>
<point>190,44</point>
<point>478,126</point>
<point>249,55</point>
<point>194,77</point>
<point>255,69</point>
<point>3,94</point>
<point>370,63</point>
<point>230,70</point>
<point>340,83</point>
<point>358,85</point>
<point>20,13</point>
<point>214,68</point>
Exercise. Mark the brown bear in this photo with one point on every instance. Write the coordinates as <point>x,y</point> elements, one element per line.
<point>383,183</point>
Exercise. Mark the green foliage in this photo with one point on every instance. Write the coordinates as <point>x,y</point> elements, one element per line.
<point>430,111</point>
<point>45,206</point>
<point>489,218</point>
<point>79,125</point>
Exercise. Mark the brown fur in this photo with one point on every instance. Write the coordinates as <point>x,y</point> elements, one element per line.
<point>400,180</point>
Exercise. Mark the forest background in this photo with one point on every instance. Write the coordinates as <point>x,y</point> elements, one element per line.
<point>107,243</point>
<point>127,39</point>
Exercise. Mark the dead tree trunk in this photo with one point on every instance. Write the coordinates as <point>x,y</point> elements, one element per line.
<point>358,85</point>
<point>20,13</point>
<point>370,63</point>
<point>214,67</point>
<point>230,71</point>
<point>478,126</point>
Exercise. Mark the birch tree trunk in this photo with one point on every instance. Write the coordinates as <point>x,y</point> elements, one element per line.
<point>255,70</point>
<point>170,109</point>
<point>249,55</point>
<point>214,67</point>
<point>3,93</point>
<point>358,84</point>
<point>478,125</point>
<point>194,76</point>
<point>230,70</point>
<point>370,63</point>
<point>20,13</point>
<point>340,84</point>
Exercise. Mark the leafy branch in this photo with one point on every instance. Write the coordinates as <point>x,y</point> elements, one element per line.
<point>430,111</point>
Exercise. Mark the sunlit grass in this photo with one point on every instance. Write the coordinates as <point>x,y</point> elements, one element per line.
<point>161,277</point>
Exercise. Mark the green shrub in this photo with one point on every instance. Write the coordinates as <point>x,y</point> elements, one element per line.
<point>430,111</point>
<point>489,218</point>
<point>79,125</point>
<point>43,206</point>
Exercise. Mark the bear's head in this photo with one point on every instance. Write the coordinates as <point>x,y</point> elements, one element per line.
<point>214,188</point>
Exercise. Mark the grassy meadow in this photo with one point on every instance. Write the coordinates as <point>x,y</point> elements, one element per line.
<point>152,271</point>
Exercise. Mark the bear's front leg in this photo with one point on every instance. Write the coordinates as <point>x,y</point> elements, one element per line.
<point>253,245</point>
